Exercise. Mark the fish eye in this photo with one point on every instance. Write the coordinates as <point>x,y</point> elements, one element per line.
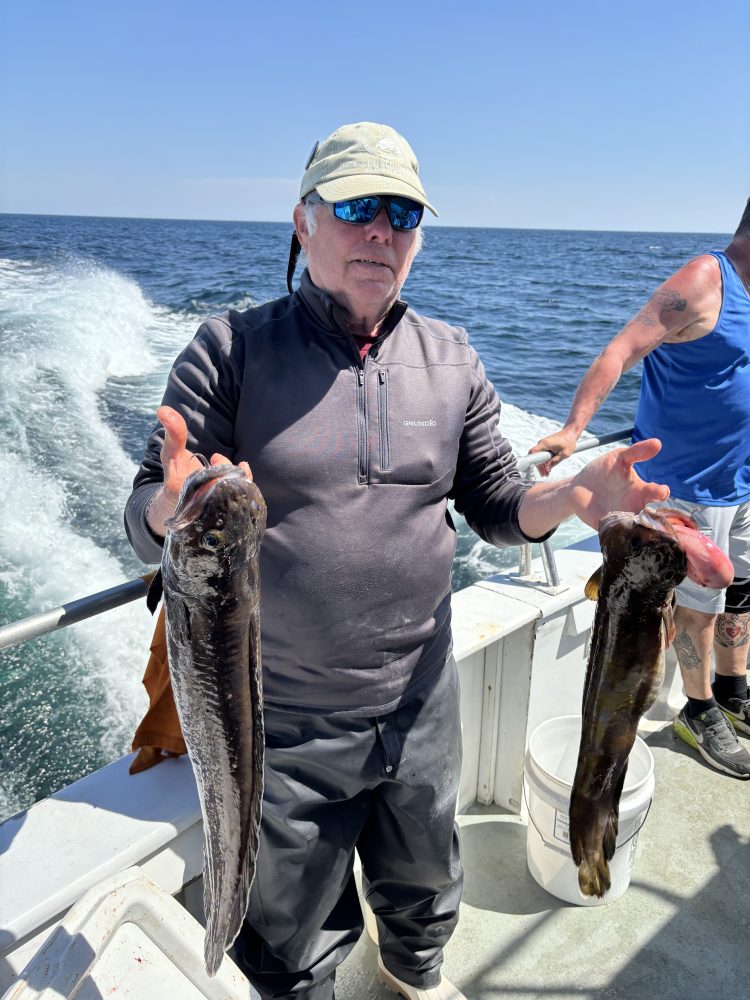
<point>212,539</point>
<point>254,508</point>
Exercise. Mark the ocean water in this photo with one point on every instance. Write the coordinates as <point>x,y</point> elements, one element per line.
<point>92,314</point>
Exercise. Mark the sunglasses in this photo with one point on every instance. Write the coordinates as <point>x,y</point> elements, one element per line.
<point>404,214</point>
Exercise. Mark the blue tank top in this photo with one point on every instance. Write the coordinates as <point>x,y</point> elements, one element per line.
<point>695,397</point>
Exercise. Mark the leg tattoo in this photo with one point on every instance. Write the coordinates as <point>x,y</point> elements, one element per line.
<point>732,630</point>
<point>687,654</point>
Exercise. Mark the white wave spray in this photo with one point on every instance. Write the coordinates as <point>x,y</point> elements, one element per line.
<point>68,331</point>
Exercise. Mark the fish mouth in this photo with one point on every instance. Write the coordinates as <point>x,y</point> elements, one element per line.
<point>196,491</point>
<point>665,519</point>
<point>708,565</point>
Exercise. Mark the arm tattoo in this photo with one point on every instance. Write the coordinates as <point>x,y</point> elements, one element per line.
<point>663,300</point>
<point>687,654</point>
<point>603,392</point>
<point>732,630</point>
<point>670,300</point>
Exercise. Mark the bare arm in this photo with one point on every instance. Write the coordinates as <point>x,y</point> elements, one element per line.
<point>684,308</point>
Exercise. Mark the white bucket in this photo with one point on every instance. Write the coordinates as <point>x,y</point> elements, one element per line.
<point>549,769</point>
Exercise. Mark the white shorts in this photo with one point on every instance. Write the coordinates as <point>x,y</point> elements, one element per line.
<point>729,529</point>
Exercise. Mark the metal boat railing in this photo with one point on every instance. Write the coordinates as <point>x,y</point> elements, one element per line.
<point>526,465</point>
<point>527,461</point>
<point>79,610</point>
<point>73,612</point>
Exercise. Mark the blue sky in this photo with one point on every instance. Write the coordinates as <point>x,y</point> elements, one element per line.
<point>570,115</point>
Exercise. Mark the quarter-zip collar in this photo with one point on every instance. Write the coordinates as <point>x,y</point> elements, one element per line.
<point>328,313</point>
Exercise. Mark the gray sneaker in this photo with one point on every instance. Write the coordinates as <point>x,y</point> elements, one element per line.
<point>715,741</point>
<point>737,710</point>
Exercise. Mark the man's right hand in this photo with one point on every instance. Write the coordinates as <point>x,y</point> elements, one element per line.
<point>562,445</point>
<point>178,464</point>
<point>176,460</point>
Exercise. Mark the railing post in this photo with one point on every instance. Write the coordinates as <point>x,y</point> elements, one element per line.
<point>550,566</point>
<point>526,466</point>
<point>524,559</point>
<point>524,550</point>
<point>548,556</point>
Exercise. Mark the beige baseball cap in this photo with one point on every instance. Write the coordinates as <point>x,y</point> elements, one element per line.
<point>363,159</point>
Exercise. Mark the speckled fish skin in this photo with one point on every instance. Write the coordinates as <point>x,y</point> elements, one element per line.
<point>632,624</point>
<point>211,587</point>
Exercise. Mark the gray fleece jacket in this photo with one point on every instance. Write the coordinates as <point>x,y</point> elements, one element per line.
<point>356,461</point>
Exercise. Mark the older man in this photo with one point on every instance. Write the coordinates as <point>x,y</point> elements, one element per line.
<point>360,418</point>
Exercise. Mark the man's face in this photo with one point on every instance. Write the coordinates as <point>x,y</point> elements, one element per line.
<point>362,267</point>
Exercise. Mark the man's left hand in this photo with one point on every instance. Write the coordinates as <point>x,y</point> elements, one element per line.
<point>610,483</point>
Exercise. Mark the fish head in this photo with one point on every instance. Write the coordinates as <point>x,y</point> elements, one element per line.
<point>218,525</point>
<point>707,565</point>
<point>659,547</point>
<point>640,554</point>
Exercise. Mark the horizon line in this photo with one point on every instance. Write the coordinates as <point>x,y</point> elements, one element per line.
<point>284,222</point>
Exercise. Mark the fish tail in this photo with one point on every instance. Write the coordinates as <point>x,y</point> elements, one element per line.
<point>226,893</point>
<point>592,842</point>
<point>237,914</point>
<point>213,945</point>
<point>213,955</point>
<point>593,876</point>
<point>593,871</point>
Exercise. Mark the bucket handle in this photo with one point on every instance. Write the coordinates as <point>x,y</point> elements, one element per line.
<point>567,853</point>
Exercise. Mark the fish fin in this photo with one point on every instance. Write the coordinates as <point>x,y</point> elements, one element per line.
<point>667,615</point>
<point>609,840</point>
<point>591,590</point>
<point>155,592</point>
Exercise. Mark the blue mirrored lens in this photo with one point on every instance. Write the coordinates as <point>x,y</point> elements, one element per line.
<point>360,211</point>
<point>405,213</point>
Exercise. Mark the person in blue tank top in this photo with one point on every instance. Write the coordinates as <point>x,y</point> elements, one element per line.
<point>693,336</point>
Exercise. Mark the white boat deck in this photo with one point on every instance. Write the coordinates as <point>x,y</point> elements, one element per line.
<point>679,931</point>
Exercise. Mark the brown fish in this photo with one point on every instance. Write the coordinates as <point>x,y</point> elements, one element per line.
<point>645,557</point>
<point>211,586</point>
